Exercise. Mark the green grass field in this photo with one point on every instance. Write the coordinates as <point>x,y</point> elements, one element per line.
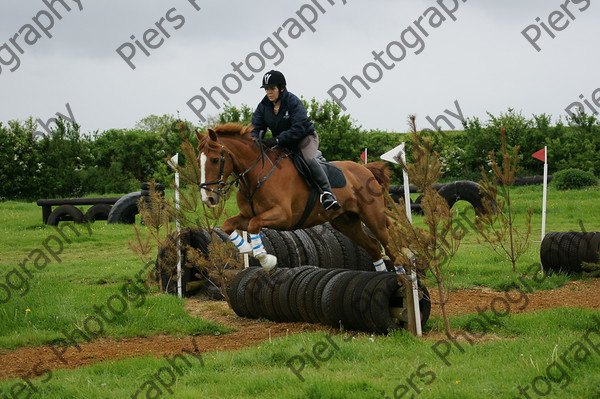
<point>54,281</point>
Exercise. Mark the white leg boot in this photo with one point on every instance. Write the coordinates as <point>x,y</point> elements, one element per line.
<point>239,242</point>
<point>380,266</point>
<point>268,262</point>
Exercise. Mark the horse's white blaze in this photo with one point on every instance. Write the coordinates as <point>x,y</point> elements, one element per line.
<point>203,160</point>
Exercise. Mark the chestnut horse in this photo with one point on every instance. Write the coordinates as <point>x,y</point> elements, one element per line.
<point>273,194</point>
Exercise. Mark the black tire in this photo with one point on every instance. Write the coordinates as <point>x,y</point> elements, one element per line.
<point>310,251</point>
<point>200,239</point>
<point>425,306</point>
<point>415,207</point>
<point>365,300</point>
<point>309,296</point>
<point>301,251</point>
<point>321,245</point>
<point>471,192</point>
<point>348,250</point>
<point>333,246</point>
<point>294,258</point>
<point>266,284</point>
<point>266,243</point>
<point>363,260</point>
<point>574,263</point>
<point>252,296</point>
<point>97,212</point>
<point>531,180</point>
<point>593,248</point>
<point>384,296</point>
<point>331,301</point>
<point>232,289</point>
<point>303,303</point>
<point>387,295</point>
<point>241,291</point>
<point>545,253</point>
<point>279,247</point>
<point>584,243</point>
<point>283,275</point>
<point>351,300</point>
<point>125,209</point>
<point>555,249</point>
<point>163,277</point>
<point>296,297</point>
<point>285,292</point>
<point>563,251</point>
<point>449,193</point>
<point>65,213</point>
<point>319,289</point>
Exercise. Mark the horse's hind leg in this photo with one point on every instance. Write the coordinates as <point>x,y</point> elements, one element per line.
<point>350,225</point>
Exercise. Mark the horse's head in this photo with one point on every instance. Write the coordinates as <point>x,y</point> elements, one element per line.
<point>218,160</point>
<point>216,164</point>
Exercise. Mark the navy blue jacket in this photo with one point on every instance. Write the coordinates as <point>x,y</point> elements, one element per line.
<point>290,125</point>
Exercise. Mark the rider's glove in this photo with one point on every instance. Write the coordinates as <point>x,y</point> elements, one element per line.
<point>271,142</point>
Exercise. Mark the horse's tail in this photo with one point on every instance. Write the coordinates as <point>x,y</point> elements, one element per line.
<point>381,172</point>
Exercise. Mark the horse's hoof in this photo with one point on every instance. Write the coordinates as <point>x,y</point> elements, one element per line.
<point>268,262</point>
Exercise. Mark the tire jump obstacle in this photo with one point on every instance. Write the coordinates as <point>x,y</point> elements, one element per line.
<point>322,277</point>
<point>568,251</point>
<point>112,209</point>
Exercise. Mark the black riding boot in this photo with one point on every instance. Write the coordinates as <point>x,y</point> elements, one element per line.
<point>328,200</point>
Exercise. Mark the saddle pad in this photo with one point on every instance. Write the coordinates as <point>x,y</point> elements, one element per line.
<point>334,174</point>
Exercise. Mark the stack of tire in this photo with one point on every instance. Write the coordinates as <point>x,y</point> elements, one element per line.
<point>125,209</point>
<point>68,212</point>
<point>356,300</point>
<point>321,245</point>
<point>452,192</point>
<point>566,251</point>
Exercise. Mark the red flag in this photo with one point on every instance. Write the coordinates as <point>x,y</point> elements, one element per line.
<point>541,155</point>
<point>363,156</point>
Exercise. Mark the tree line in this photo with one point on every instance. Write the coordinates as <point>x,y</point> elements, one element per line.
<point>69,163</point>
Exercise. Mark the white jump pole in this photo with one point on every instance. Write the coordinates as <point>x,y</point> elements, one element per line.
<point>545,194</point>
<point>246,255</point>
<point>174,162</point>
<point>413,274</point>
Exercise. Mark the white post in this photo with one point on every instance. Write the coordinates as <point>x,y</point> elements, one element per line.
<point>246,255</point>
<point>544,196</point>
<point>413,274</point>
<point>366,156</point>
<point>174,162</point>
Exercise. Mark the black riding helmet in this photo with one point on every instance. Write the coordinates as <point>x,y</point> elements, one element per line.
<point>273,78</point>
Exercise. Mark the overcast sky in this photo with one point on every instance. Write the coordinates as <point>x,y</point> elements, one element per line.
<point>475,56</point>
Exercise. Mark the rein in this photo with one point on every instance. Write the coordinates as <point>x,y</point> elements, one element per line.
<point>241,177</point>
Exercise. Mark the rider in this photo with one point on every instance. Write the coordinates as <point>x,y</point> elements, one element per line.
<point>284,114</point>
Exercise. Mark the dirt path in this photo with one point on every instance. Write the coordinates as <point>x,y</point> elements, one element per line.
<point>30,362</point>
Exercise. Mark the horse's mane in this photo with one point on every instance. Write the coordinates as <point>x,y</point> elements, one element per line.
<point>225,130</point>
<point>233,129</point>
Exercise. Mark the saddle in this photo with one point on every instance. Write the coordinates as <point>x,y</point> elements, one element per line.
<point>334,174</point>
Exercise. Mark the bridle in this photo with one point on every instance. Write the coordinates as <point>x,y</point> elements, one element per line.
<point>225,186</point>
<point>221,184</point>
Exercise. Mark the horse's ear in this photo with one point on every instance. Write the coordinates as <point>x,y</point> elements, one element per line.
<point>199,135</point>
<point>212,135</point>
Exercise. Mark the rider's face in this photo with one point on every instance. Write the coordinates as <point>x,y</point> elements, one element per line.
<point>272,93</point>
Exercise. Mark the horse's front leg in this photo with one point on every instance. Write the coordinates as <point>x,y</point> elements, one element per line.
<point>255,245</point>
